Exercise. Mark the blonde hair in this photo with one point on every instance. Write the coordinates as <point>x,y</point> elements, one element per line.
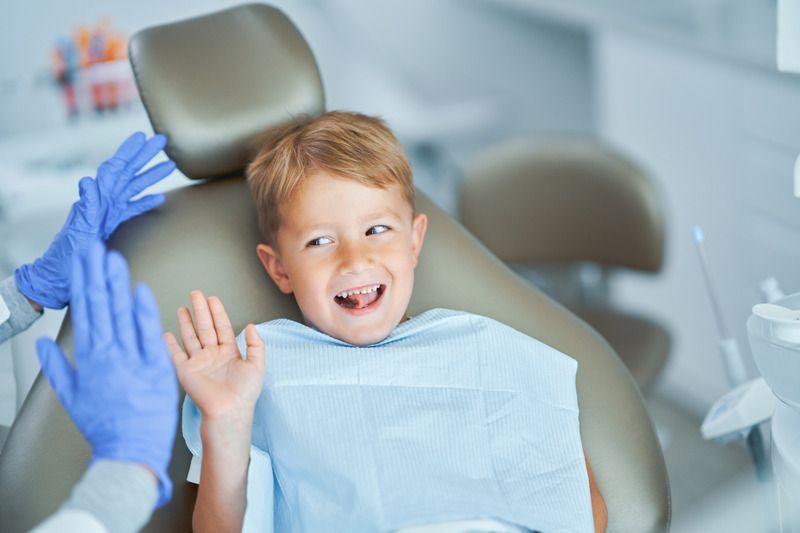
<point>344,144</point>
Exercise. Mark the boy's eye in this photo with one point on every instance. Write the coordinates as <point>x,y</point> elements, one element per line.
<point>380,228</point>
<point>319,241</point>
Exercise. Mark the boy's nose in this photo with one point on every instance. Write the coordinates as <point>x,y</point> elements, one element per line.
<point>354,258</point>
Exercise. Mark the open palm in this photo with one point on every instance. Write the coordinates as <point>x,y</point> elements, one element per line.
<point>211,370</point>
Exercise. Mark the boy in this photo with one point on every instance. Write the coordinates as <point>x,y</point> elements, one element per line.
<point>369,420</point>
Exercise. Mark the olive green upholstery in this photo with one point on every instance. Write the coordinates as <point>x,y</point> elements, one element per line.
<point>554,204</point>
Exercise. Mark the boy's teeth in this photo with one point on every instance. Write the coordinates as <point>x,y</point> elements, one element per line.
<point>345,294</point>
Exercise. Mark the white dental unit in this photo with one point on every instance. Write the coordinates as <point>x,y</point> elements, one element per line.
<point>774,333</point>
<point>773,330</point>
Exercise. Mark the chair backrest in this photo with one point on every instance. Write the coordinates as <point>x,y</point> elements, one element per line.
<point>561,200</point>
<point>205,237</point>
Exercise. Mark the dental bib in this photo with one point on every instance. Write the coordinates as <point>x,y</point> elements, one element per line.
<point>453,416</point>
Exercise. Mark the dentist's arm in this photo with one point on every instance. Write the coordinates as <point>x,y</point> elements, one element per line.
<point>225,389</point>
<point>121,394</point>
<point>111,497</point>
<point>17,313</point>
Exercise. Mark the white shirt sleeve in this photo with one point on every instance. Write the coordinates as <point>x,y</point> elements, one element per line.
<point>4,312</point>
<point>16,312</point>
<point>71,521</point>
<point>111,497</point>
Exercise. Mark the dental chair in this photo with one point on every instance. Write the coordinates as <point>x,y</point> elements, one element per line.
<point>211,84</point>
<point>568,213</point>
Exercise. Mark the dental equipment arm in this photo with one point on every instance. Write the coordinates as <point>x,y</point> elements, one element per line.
<point>225,387</point>
<point>731,359</point>
<point>105,202</point>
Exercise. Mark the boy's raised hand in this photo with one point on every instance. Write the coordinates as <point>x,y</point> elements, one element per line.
<point>211,370</point>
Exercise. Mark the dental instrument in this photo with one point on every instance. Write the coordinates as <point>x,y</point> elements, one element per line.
<point>734,415</point>
<point>740,405</point>
<point>731,356</point>
<point>770,291</point>
<point>774,334</point>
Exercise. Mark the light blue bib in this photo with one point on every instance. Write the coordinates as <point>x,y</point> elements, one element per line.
<point>452,416</point>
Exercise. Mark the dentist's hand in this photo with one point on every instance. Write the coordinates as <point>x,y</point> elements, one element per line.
<point>216,378</point>
<point>104,204</point>
<point>121,393</point>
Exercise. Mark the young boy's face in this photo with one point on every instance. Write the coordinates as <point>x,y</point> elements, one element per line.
<point>339,236</point>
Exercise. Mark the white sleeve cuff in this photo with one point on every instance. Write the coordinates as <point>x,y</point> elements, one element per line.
<point>67,520</point>
<point>4,311</point>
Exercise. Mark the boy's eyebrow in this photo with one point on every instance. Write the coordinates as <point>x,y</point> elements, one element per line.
<point>378,214</point>
<point>371,216</point>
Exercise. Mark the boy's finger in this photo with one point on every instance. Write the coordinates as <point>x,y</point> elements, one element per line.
<point>255,346</point>
<point>203,321</point>
<point>175,352</point>
<point>188,335</point>
<point>222,323</point>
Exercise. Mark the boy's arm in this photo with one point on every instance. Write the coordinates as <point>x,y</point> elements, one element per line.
<point>598,503</point>
<point>222,495</point>
<point>225,389</point>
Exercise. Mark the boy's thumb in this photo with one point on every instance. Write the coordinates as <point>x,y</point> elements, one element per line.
<point>255,345</point>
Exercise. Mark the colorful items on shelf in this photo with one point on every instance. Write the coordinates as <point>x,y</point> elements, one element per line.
<point>92,70</point>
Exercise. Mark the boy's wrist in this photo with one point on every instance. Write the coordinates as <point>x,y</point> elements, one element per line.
<point>227,430</point>
<point>231,418</point>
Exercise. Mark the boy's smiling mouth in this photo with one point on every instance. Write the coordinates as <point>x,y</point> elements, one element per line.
<point>359,298</point>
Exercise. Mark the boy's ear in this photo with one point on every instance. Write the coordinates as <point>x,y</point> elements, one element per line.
<point>418,228</point>
<point>274,267</point>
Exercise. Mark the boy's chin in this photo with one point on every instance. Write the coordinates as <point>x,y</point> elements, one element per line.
<point>365,338</point>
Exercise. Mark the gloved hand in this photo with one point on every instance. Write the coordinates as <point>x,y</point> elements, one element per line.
<point>122,393</point>
<point>104,204</point>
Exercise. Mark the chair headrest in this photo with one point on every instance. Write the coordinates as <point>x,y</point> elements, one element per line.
<point>263,74</point>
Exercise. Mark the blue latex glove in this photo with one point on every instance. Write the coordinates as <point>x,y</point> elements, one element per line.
<point>104,204</point>
<point>122,393</point>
